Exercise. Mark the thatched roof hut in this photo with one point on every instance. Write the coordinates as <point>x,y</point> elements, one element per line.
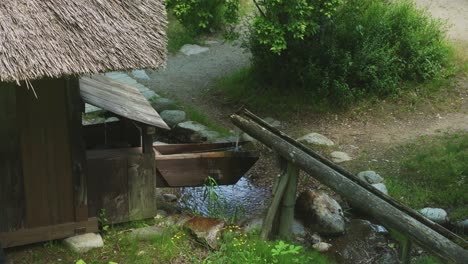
<point>52,38</point>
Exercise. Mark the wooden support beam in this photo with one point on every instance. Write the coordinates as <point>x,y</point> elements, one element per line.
<point>357,195</point>
<point>289,200</point>
<point>46,233</point>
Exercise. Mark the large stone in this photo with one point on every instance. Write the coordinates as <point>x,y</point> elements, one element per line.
<point>206,229</point>
<point>191,131</point>
<point>173,117</point>
<point>146,233</point>
<point>316,139</point>
<point>140,74</point>
<point>255,225</point>
<point>437,215</point>
<point>161,104</point>
<point>320,213</point>
<point>84,243</point>
<point>231,139</point>
<point>381,187</point>
<point>362,243</point>
<point>207,135</point>
<point>322,247</point>
<point>339,157</point>
<point>370,177</point>
<point>190,49</point>
<point>170,198</point>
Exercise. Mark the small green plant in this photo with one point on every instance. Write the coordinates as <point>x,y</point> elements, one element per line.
<point>102,220</point>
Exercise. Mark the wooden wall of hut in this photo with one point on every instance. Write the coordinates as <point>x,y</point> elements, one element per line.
<point>43,183</point>
<point>121,184</point>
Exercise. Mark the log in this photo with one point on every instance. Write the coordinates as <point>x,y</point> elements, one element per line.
<point>357,195</point>
<point>416,215</point>
<point>289,200</point>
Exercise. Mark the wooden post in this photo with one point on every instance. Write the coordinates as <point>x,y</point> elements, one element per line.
<point>268,222</point>
<point>147,133</point>
<point>357,195</point>
<point>289,200</point>
<point>77,148</point>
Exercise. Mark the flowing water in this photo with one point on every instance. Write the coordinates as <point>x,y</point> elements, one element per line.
<point>243,197</point>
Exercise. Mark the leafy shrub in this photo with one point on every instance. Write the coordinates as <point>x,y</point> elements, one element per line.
<point>202,16</point>
<point>345,50</point>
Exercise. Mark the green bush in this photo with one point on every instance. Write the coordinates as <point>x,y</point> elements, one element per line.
<point>342,51</point>
<point>203,16</point>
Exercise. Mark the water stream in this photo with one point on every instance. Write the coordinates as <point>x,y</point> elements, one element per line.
<point>243,197</point>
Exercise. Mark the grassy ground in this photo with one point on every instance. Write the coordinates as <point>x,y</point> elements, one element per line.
<point>173,246</point>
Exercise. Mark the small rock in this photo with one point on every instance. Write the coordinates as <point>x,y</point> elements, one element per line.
<point>176,220</point>
<point>225,140</point>
<point>206,229</point>
<point>339,157</point>
<point>462,224</point>
<point>437,215</point>
<point>320,213</point>
<point>253,225</point>
<point>272,122</point>
<point>191,131</point>
<point>381,187</point>
<point>190,49</point>
<point>173,117</point>
<point>315,238</point>
<point>298,229</point>
<point>169,197</point>
<point>316,139</point>
<point>207,135</point>
<point>370,177</point>
<point>146,233</point>
<point>160,214</point>
<point>140,74</point>
<point>322,246</point>
<point>84,243</point>
<point>161,104</point>
<point>112,119</point>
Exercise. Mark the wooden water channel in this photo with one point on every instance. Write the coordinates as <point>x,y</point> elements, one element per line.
<point>397,217</point>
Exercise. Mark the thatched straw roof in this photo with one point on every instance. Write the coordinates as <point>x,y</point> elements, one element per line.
<point>52,38</point>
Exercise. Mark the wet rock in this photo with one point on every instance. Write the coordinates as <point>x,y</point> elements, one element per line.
<point>370,177</point>
<point>173,117</point>
<point>146,233</point>
<point>225,140</point>
<point>272,122</point>
<point>84,243</point>
<point>190,49</point>
<point>206,229</point>
<point>362,244</point>
<point>207,135</point>
<point>189,131</point>
<point>437,215</point>
<point>170,198</point>
<point>320,213</point>
<point>339,157</point>
<point>322,246</point>
<point>381,187</point>
<point>140,74</point>
<point>161,104</point>
<point>316,139</point>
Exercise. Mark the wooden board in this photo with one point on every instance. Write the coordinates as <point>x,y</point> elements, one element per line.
<point>193,148</point>
<point>141,186</point>
<point>46,155</point>
<point>121,99</point>
<point>11,179</point>
<point>46,233</point>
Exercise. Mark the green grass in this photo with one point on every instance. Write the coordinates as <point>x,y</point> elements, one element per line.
<point>433,173</point>
<point>177,35</point>
<point>173,246</point>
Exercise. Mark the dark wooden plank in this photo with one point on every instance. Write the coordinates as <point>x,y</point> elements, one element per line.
<point>77,148</point>
<point>141,186</point>
<point>197,147</point>
<point>11,179</point>
<point>46,156</point>
<point>124,100</point>
<point>147,134</point>
<point>46,233</point>
<point>357,195</point>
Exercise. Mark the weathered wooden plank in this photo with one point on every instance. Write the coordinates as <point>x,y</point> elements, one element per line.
<point>268,222</point>
<point>141,186</point>
<point>121,99</point>
<point>289,200</point>
<point>11,178</point>
<point>46,156</point>
<point>357,195</point>
<point>197,147</point>
<point>46,233</point>
<point>77,148</point>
